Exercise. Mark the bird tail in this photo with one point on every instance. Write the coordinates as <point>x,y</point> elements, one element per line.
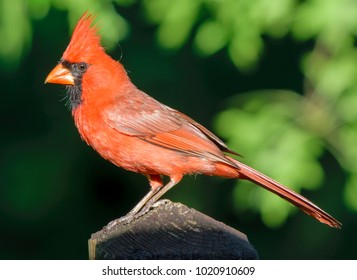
<point>246,172</point>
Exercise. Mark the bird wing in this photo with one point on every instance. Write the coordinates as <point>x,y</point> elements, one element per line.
<point>139,115</point>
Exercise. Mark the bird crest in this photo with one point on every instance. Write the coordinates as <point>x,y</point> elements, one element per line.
<point>85,41</point>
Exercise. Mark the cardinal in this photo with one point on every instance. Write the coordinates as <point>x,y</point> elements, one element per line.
<point>138,133</point>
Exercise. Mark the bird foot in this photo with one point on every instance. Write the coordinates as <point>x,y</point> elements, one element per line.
<point>131,216</point>
<point>127,219</point>
<point>151,205</point>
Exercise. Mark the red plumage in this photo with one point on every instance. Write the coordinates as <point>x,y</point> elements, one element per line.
<point>134,131</point>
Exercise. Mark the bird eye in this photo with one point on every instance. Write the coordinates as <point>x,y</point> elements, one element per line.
<point>82,66</point>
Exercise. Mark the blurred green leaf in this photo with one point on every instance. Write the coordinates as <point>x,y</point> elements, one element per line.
<point>15,32</point>
<point>203,40</point>
<point>176,20</point>
<point>351,192</point>
<point>333,22</point>
<point>347,104</point>
<point>38,8</point>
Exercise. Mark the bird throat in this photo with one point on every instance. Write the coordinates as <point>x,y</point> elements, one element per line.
<point>74,92</point>
<point>74,95</point>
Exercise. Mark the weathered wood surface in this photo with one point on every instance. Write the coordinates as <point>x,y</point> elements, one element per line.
<point>171,231</point>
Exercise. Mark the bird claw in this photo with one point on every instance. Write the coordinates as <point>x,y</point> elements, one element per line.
<point>151,205</point>
<point>131,216</point>
<point>127,219</point>
<point>160,202</point>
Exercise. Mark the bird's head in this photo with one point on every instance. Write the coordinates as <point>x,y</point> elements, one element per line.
<point>84,65</point>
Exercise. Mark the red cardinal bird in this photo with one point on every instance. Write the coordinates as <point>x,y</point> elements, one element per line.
<point>134,131</point>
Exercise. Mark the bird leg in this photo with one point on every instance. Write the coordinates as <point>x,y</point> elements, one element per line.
<point>128,218</point>
<point>148,201</point>
<point>152,201</point>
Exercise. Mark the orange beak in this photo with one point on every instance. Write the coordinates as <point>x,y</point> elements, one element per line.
<point>60,75</point>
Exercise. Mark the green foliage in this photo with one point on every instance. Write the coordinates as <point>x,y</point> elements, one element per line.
<point>175,18</point>
<point>237,25</point>
<point>15,31</point>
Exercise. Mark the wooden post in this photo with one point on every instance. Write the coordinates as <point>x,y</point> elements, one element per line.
<point>171,231</point>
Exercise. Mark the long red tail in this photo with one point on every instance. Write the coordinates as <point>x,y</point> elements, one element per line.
<point>298,200</point>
